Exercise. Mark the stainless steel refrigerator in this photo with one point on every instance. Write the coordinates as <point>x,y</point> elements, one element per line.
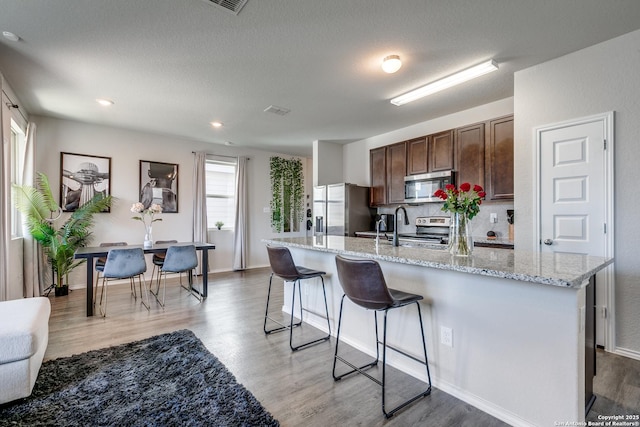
<point>341,209</point>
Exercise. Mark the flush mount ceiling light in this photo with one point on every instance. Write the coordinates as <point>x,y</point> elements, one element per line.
<point>216,124</point>
<point>105,102</point>
<point>391,64</point>
<point>447,82</point>
<point>10,36</point>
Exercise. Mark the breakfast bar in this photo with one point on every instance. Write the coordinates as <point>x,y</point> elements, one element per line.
<point>519,321</point>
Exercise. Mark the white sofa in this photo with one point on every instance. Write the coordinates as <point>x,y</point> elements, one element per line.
<point>24,334</point>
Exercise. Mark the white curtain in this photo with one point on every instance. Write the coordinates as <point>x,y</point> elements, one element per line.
<point>5,194</point>
<point>34,264</point>
<point>240,238</point>
<point>200,229</point>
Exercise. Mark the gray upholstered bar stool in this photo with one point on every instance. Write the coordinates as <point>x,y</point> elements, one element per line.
<point>364,285</point>
<point>282,265</point>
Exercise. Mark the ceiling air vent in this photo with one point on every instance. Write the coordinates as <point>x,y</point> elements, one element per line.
<point>233,6</point>
<point>281,111</point>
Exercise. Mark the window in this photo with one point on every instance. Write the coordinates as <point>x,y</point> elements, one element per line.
<point>221,192</point>
<point>17,164</point>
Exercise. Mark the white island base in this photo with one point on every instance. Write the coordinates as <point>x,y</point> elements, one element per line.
<point>518,348</point>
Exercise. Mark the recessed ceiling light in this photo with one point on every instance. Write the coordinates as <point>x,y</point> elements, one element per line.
<point>447,82</point>
<point>104,102</point>
<point>10,36</point>
<point>216,124</point>
<point>391,64</point>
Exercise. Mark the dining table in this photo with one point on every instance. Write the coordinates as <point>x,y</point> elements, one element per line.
<point>91,253</point>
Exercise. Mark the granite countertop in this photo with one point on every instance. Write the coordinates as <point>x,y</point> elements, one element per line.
<point>556,269</point>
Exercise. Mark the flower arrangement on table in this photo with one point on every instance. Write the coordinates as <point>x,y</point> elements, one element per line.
<point>464,203</point>
<point>147,216</point>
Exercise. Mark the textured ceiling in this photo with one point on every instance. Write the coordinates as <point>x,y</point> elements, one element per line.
<point>172,67</point>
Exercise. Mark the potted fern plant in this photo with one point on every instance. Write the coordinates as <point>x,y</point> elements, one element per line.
<point>41,213</point>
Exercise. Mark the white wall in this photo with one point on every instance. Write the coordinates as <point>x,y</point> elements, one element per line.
<point>327,163</point>
<point>594,80</point>
<point>126,148</point>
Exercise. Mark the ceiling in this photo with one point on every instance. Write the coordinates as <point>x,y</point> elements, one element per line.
<point>172,67</point>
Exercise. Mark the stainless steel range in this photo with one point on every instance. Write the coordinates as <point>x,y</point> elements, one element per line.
<point>432,229</point>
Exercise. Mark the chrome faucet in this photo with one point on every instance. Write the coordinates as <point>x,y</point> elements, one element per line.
<point>378,222</point>
<point>395,229</point>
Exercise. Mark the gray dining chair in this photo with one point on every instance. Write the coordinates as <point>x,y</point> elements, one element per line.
<point>179,259</point>
<point>123,264</point>
<point>99,267</point>
<point>158,260</point>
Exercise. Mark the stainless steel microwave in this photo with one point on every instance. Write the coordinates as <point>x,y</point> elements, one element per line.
<point>420,188</point>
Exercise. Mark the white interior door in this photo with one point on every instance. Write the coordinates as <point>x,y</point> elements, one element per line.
<point>575,198</point>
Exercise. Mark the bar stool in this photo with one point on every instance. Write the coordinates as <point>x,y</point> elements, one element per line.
<point>123,264</point>
<point>179,259</point>
<point>364,284</point>
<point>282,265</point>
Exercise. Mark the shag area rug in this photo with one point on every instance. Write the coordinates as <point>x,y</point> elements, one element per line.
<point>166,380</point>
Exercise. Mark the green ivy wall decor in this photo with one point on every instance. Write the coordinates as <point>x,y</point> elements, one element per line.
<point>287,194</point>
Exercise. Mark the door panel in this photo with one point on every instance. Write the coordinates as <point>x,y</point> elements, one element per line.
<point>573,198</point>
<point>572,189</point>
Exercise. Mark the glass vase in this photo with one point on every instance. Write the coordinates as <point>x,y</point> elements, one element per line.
<point>148,237</point>
<point>460,241</point>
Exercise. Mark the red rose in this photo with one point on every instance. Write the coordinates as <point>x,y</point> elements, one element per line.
<point>465,186</point>
<point>477,188</point>
<point>481,194</point>
<point>438,193</point>
<point>450,187</point>
<point>443,196</point>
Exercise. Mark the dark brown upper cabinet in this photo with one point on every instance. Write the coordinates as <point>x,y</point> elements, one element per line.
<point>417,156</point>
<point>396,171</point>
<point>441,151</point>
<point>378,174</point>
<point>470,155</point>
<point>499,159</point>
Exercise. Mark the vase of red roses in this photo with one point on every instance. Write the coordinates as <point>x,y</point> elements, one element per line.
<point>463,203</point>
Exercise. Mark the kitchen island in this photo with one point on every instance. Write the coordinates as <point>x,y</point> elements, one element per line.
<point>518,321</point>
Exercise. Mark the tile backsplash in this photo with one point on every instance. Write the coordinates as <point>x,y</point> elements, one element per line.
<point>479,225</point>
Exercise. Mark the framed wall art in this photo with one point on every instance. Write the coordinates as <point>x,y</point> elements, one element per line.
<point>83,176</point>
<point>159,184</point>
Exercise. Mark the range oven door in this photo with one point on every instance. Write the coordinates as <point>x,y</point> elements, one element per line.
<point>420,188</point>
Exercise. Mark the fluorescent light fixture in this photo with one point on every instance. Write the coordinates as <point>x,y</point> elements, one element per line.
<point>391,64</point>
<point>216,124</point>
<point>104,102</point>
<point>447,82</point>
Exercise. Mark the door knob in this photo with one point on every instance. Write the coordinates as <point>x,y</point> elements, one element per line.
<point>548,241</point>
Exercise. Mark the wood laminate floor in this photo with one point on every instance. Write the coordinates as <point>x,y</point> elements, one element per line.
<point>297,388</point>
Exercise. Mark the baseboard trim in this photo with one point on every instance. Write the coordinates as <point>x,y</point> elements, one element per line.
<point>633,354</point>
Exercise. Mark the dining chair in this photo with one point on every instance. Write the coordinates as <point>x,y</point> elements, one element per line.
<point>123,264</point>
<point>158,259</point>
<point>363,283</point>
<point>99,267</point>
<point>179,259</point>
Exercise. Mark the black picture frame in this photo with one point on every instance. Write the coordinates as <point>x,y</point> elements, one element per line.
<point>81,177</point>
<point>159,184</point>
